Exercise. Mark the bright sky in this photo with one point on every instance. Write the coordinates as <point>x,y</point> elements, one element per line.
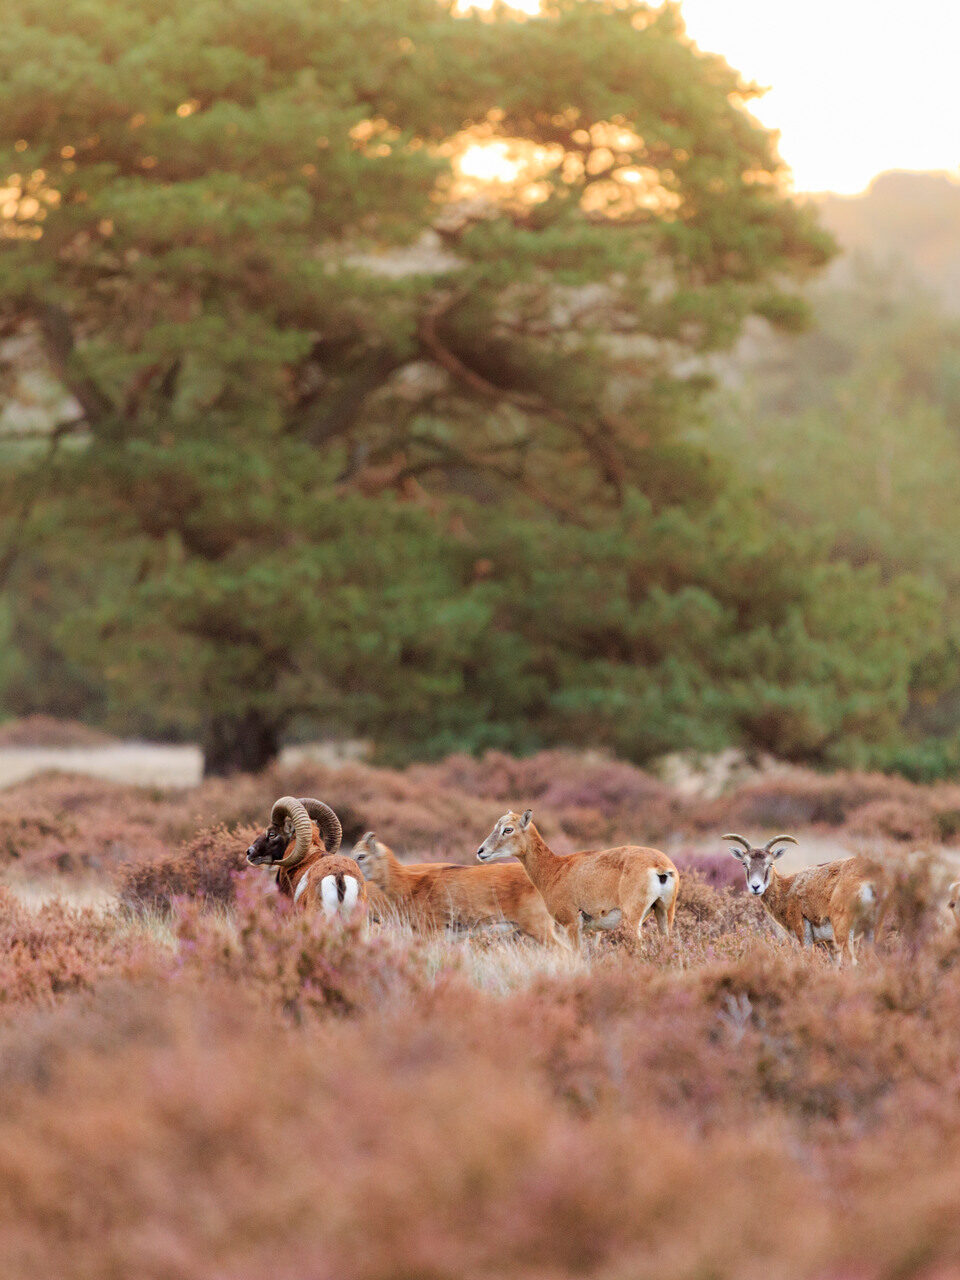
<point>856,86</point>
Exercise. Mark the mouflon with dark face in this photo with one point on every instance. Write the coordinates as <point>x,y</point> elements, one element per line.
<point>302,843</point>
<point>600,889</point>
<point>835,904</point>
<point>269,847</point>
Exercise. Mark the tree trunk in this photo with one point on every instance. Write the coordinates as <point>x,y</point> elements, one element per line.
<point>239,744</point>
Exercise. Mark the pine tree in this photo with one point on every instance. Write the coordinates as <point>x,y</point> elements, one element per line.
<point>310,361</point>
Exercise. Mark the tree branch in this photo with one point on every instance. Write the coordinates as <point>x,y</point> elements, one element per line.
<point>451,457</point>
<point>324,417</point>
<point>60,346</point>
<point>29,496</point>
<point>427,330</point>
<point>598,445</point>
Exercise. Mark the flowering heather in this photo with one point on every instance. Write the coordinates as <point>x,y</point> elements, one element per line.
<point>609,1122</point>
<point>58,825</point>
<point>58,949</point>
<point>205,868</point>
<point>198,1081</point>
<point>49,731</point>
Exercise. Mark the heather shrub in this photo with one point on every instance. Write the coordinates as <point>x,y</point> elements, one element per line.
<point>300,962</point>
<point>57,950</point>
<point>918,891</point>
<point>502,778</point>
<point>719,870</point>
<point>947,819</point>
<point>786,802</point>
<point>85,827</point>
<point>204,869</point>
<point>59,824</point>
<point>591,796</point>
<point>908,821</point>
<point>50,731</point>
<point>610,1123</point>
<point>366,1149</point>
<point>705,911</point>
<point>416,817</point>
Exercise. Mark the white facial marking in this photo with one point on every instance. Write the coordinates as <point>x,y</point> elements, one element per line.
<point>328,895</point>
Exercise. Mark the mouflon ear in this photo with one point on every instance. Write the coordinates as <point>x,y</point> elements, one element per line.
<point>742,853</point>
<point>525,820</point>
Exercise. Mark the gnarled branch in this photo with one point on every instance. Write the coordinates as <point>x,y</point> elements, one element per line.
<point>59,343</point>
<point>597,441</point>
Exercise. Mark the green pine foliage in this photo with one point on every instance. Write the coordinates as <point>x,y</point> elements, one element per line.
<point>854,432</point>
<point>359,446</point>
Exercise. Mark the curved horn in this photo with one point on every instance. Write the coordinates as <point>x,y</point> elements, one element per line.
<point>290,807</point>
<point>328,824</point>
<point>780,840</point>
<point>738,840</point>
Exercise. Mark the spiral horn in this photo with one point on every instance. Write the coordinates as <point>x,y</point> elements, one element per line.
<point>290,807</point>
<point>328,824</point>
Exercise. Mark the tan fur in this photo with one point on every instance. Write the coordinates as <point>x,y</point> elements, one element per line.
<point>828,896</point>
<point>315,866</point>
<point>439,894</point>
<point>601,889</point>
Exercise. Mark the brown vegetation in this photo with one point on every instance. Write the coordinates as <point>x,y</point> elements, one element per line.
<point>281,1095</point>
<point>57,950</point>
<point>440,812</point>
<point>49,731</point>
<point>230,1087</point>
<point>204,869</point>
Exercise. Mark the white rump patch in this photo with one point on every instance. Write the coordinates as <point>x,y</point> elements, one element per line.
<point>328,895</point>
<point>351,892</point>
<point>301,886</point>
<point>662,891</point>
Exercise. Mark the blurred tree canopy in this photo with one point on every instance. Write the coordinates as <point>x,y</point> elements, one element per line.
<point>855,432</point>
<point>362,439</point>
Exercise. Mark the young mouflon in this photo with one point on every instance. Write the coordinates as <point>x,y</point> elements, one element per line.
<point>448,895</point>
<point>600,889</point>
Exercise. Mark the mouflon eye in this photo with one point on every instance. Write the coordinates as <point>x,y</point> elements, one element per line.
<point>507,831</point>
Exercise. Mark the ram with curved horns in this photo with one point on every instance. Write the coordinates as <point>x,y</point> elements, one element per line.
<point>302,845</point>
